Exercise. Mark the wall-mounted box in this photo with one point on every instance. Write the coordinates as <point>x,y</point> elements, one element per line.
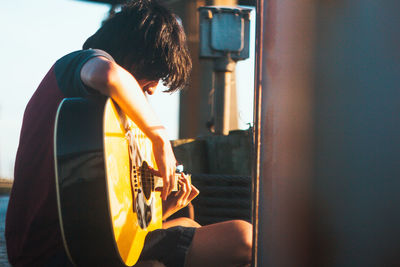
<point>224,30</point>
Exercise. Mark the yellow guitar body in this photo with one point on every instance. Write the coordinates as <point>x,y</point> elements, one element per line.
<point>106,192</point>
<point>129,238</point>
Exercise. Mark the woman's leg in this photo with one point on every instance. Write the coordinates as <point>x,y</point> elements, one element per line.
<point>221,244</point>
<point>182,221</point>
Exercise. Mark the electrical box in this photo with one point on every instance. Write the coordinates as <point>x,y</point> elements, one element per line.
<point>223,31</point>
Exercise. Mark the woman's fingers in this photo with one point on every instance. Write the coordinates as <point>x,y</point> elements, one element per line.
<point>188,187</point>
<point>188,191</point>
<point>194,192</point>
<point>183,194</point>
<point>166,163</point>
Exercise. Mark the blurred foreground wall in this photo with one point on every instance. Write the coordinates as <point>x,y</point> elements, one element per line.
<point>329,128</point>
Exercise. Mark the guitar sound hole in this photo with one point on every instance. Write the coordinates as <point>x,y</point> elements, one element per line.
<point>147,191</point>
<point>146,180</point>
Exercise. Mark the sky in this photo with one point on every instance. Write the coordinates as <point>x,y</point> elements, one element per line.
<point>35,33</point>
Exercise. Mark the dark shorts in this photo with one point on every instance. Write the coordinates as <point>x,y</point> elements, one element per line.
<point>168,246</point>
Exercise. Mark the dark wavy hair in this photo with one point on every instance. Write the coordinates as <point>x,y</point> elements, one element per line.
<point>146,39</point>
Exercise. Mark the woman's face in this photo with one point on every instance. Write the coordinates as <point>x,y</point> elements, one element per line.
<point>147,86</point>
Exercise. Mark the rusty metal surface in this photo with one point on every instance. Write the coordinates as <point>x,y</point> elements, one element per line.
<point>357,126</point>
<point>328,134</point>
<point>285,132</point>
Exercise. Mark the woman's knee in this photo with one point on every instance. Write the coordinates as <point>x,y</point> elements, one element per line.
<point>242,241</point>
<point>244,234</point>
<point>189,222</point>
<point>226,243</point>
<point>181,221</point>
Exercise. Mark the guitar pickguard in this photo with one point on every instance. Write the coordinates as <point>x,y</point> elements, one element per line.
<point>144,209</point>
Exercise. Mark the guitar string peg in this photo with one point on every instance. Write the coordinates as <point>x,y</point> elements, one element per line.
<point>179,168</point>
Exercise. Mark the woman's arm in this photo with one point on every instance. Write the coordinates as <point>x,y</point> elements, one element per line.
<point>112,80</point>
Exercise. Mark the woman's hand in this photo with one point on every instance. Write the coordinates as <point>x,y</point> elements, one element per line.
<point>180,199</point>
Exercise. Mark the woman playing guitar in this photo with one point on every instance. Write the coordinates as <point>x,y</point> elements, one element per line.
<point>125,59</point>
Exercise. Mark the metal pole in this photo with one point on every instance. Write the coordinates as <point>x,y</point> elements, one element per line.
<point>223,68</point>
<point>257,126</point>
<point>284,132</point>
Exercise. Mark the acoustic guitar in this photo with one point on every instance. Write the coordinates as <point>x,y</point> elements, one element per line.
<point>106,191</point>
